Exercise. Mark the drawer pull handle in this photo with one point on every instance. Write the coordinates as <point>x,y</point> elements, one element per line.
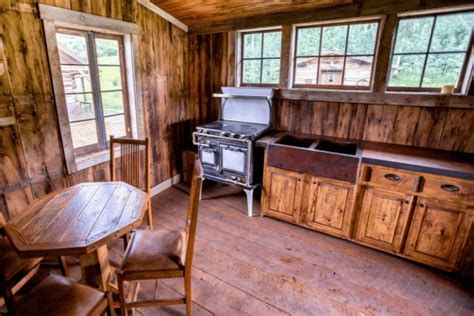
<point>450,188</point>
<point>392,177</point>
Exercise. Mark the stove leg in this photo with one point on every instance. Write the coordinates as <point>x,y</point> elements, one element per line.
<point>249,193</point>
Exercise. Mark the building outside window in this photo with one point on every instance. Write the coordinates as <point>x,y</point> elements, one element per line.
<point>335,56</point>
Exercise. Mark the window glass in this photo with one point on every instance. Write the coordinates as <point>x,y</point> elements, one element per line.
<point>260,60</point>
<point>344,60</point>
<point>430,51</point>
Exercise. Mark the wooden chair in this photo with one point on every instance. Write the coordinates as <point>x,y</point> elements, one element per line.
<point>162,254</point>
<point>57,295</point>
<point>14,271</point>
<point>130,163</point>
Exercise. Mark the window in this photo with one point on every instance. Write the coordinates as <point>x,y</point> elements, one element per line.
<point>336,56</point>
<point>93,74</point>
<point>260,60</point>
<point>431,51</point>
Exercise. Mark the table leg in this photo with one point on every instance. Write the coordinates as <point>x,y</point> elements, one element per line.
<point>95,268</point>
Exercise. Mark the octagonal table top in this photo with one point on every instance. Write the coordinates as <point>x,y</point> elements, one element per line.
<point>77,220</point>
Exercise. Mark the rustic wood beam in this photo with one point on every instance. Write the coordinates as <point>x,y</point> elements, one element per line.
<point>380,98</point>
<point>382,63</point>
<point>285,56</point>
<point>360,8</point>
<point>165,15</point>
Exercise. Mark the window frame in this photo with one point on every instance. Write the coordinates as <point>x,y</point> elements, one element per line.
<point>261,58</point>
<point>427,53</point>
<point>341,87</point>
<point>55,18</point>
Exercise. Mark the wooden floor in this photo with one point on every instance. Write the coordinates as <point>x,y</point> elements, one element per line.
<point>261,266</point>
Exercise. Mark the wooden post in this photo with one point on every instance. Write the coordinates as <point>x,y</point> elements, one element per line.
<point>285,55</point>
<point>95,268</point>
<point>382,62</point>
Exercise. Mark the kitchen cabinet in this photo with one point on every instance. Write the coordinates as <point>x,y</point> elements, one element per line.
<point>282,194</point>
<point>329,206</point>
<point>437,232</point>
<point>383,219</point>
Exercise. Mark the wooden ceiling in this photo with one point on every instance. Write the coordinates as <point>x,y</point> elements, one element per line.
<point>200,12</point>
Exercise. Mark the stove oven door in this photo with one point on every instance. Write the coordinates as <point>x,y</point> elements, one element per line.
<point>234,159</point>
<point>209,157</point>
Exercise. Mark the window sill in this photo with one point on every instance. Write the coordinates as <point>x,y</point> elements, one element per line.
<point>420,99</point>
<point>92,159</point>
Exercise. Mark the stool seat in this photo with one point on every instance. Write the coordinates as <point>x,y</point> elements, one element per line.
<point>57,295</point>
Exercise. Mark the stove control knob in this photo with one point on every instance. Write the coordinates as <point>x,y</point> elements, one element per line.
<point>243,137</point>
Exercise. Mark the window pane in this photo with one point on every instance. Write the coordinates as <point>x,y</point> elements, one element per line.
<point>306,70</point>
<point>110,78</point>
<point>358,71</point>
<point>452,32</point>
<point>442,69</point>
<point>84,133</point>
<point>115,125</point>
<point>271,71</point>
<point>80,106</point>
<point>272,44</point>
<point>362,39</point>
<point>331,70</point>
<point>251,72</point>
<point>406,70</point>
<point>334,40</point>
<point>76,79</point>
<point>72,49</point>
<point>112,102</point>
<point>252,45</point>
<point>308,41</point>
<point>413,35</point>
<point>107,51</point>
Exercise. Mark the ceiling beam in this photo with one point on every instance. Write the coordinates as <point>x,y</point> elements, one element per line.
<point>357,9</point>
<point>165,15</point>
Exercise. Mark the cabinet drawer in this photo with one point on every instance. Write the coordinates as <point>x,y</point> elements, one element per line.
<point>392,177</point>
<point>448,188</point>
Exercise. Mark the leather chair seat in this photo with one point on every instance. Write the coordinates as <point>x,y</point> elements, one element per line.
<point>154,250</point>
<point>11,264</point>
<point>57,295</point>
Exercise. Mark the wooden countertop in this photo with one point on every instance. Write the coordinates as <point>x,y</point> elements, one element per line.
<point>441,162</point>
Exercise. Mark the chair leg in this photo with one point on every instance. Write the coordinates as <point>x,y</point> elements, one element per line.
<point>187,295</point>
<point>110,304</point>
<point>8,297</point>
<point>63,266</point>
<point>150,216</point>
<point>123,307</point>
<point>126,239</point>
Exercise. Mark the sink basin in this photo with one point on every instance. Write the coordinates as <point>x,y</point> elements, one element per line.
<point>296,141</point>
<point>337,147</point>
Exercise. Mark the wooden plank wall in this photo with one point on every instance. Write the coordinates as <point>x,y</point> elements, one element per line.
<point>31,161</point>
<point>432,127</point>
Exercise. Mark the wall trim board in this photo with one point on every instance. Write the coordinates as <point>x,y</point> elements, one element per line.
<point>90,21</point>
<point>165,15</point>
<point>160,187</point>
<point>381,98</point>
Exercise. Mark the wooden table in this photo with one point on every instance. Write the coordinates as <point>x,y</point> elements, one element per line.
<point>79,221</point>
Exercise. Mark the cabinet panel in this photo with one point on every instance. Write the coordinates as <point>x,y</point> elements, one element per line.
<point>329,207</point>
<point>383,219</point>
<point>282,194</point>
<point>437,233</point>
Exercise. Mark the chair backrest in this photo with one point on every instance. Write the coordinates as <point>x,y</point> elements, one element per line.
<point>192,214</point>
<point>134,160</point>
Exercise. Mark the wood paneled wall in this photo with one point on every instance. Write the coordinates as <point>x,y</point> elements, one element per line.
<point>31,160</point>
<point>431,127</point>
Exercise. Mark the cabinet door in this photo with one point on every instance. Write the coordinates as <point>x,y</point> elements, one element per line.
<point>437,233</point>
<point>283,192</point>
<point>329,206</point>
<point>383,219</point>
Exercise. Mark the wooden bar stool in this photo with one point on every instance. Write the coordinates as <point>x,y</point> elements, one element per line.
<point>57,295</point>
<point>162,254</point>
<point>15,272</point>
